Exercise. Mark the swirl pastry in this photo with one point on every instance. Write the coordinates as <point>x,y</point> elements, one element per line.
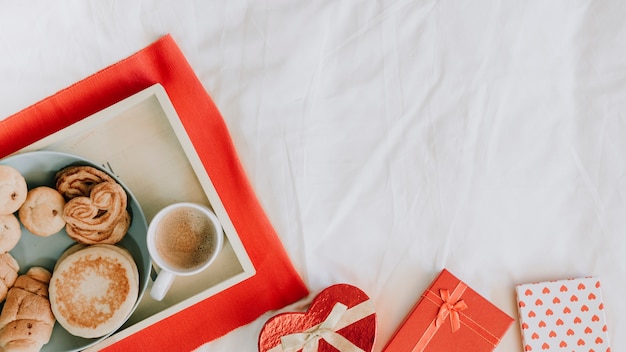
<point>99,218</point>
<point>78,181</point>
<point>109,236</point>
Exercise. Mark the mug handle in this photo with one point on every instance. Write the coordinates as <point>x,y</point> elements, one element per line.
<point>162,284</point>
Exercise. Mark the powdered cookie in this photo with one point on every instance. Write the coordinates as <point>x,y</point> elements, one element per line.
<point>77,181</point>
<point>10,232</point>
<point>42,212</point>
<point>12,189</point>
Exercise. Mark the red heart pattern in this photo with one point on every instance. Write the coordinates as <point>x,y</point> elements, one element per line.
<point>361,333</point>
<point>571,314</point>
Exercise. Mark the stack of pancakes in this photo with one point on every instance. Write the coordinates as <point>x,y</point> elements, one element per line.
<point>93,289</point>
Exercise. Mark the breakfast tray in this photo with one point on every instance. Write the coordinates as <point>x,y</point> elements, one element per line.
<point>143,132</point>
<point>167,142</point>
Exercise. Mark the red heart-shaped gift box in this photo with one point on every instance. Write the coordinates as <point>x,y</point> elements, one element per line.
<point>340,318</point>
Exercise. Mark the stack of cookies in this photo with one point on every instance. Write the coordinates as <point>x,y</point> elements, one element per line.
<point>26,320</point>
<point>13,191</point>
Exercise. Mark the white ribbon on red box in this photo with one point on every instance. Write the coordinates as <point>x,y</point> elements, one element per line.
<point>339,317</point>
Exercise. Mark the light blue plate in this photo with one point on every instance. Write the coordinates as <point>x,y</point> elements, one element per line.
<point>39,169</point>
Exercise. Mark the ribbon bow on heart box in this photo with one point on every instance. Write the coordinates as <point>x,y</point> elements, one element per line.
<point>340,318</point>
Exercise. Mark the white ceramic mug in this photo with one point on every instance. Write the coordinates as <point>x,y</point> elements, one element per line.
<point>183,239</point>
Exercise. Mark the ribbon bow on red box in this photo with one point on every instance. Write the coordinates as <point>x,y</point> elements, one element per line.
<point>449,307</point>
<point>475,324</point>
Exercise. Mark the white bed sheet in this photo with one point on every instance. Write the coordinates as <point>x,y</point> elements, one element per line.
<point>387,140</point>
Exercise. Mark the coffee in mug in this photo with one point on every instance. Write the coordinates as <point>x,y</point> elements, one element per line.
<point>183,239</point>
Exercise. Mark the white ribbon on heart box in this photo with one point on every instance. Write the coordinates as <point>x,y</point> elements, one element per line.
<point>563,315</point>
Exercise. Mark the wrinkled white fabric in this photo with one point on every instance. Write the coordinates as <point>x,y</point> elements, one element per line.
<point>389,139</point>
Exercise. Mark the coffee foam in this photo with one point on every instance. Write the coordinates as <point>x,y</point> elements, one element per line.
<point>185,238</point>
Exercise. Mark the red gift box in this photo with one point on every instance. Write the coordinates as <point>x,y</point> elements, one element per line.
<point>340,318</point>
<point>450,316</point>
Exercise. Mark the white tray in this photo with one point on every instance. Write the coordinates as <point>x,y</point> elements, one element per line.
<point>142,140</point>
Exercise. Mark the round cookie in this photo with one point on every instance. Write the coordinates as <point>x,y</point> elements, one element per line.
<point>42,212</point>
<point>10,232</point>
<point>13,189</point>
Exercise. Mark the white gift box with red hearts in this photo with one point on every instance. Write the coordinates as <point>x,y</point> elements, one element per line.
<point>565,315</point>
